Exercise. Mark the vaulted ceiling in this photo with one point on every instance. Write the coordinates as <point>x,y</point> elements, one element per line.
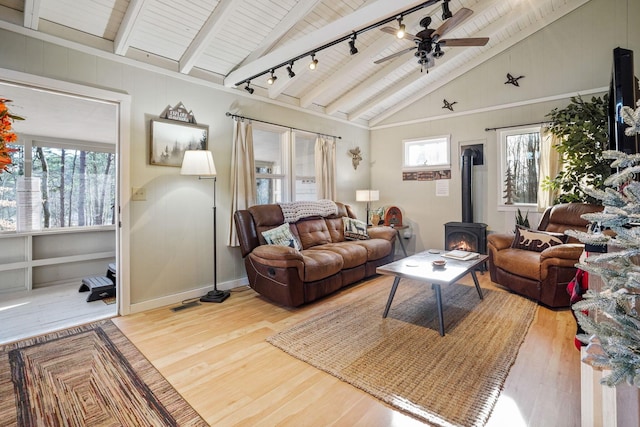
<point>229,41</point>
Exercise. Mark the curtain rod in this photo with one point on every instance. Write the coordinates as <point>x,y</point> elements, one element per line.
<point>515,126</point>
<point>236,116</point>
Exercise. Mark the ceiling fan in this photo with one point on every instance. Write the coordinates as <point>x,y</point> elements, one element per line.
<point>429,42</point>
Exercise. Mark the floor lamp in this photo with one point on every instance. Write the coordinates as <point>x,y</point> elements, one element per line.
<point>367,196</point>
<point>200,163</point>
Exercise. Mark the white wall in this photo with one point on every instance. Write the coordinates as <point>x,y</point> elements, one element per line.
<point>171,232</point>
<point>572,55</point>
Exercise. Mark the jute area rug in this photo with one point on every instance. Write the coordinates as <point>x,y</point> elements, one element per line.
<point>91,375</point>
<point>402,360</point>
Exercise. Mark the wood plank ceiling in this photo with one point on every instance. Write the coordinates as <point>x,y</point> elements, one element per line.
<point>228,41</point>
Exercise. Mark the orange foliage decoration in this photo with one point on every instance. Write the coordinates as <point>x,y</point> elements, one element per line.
<point>6,134</point>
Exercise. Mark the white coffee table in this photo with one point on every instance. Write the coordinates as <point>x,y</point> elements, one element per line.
<point>420,267</point>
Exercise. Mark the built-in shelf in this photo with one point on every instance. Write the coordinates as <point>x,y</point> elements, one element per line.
<point>36,259</point>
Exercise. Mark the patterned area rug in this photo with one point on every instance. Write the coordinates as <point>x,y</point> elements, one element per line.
<point>91,375</point>
<point>402,360</point>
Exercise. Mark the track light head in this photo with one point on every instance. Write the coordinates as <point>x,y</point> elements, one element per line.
<point>290,70</point>
<point>272,79</point>
<point>314,62</point>
<point>446,13</point>
<point>249,88</point>
<point>401,28</point>
<point>352,45</point>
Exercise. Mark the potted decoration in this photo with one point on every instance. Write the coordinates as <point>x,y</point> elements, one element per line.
<point>6,134</point>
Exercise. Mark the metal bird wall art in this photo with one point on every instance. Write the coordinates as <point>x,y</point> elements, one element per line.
<point>448,105</point>
<point>513,80</point>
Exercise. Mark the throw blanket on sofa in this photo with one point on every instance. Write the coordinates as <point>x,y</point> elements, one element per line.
<point>294,211</point>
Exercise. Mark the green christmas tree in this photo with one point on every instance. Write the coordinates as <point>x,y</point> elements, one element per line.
<point>614,334</point>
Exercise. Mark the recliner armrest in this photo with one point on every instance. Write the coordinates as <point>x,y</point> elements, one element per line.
<point>277,252</point>
<point>571,251</point>
<point>500,240</point>
<point>382,232</point>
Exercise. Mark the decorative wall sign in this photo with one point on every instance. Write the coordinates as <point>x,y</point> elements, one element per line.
<point>171,138</point>
<point>513,80</point>
<point>178,113</point>
<point>426,175</point>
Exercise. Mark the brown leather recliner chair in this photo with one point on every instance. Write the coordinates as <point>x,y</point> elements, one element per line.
<point>541,276</point>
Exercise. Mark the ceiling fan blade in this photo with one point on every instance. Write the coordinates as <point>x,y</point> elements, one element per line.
<point>393,31</point>
<point>470,41</point>
<point>452,22</point>
<point>395,55</point>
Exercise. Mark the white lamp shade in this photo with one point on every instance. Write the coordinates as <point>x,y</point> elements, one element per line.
<point>198,162</point>
<point>367,195</point>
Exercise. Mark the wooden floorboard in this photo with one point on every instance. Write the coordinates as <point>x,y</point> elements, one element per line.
<point>25,314</point>
<point>216,356</point>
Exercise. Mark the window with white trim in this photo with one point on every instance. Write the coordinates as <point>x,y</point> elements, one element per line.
<point>431,153</point>
<point>284,164</point>
<point>519,166</point>
<point>78,183</point>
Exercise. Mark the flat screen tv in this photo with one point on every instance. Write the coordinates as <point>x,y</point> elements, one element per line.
<point>623,91</point>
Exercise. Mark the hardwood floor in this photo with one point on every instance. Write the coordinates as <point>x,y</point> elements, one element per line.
<point>216,356</point>
<point>28,313</point>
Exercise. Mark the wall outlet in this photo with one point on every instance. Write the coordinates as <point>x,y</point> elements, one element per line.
<point>139,194</point>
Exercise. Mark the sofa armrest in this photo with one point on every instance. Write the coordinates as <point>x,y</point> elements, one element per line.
<point>500,241</point>
<point>277,253</point>
<point>568,251</point>
<point>382,232</point>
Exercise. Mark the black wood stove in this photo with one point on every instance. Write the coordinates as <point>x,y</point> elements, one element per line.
<point>466,235</point>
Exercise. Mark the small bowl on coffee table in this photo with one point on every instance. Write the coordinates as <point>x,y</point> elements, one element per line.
<point>439,263</point>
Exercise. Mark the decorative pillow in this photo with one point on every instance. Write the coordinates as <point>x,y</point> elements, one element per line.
<point>281,236</point>
<point>354,229</point>
<point>535,240</point>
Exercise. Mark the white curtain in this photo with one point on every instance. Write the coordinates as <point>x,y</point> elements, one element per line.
<point>243,174</point>
<point>325,159</point>
<point>550,165</point>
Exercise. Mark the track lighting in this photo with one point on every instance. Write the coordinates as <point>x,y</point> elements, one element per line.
<point>271,80</point>
<point>314,62</point>
<point>446,13</point>
<point>352,45</point>
<point>290,70</point>
<point>249,88</point>
<point>401,28</point>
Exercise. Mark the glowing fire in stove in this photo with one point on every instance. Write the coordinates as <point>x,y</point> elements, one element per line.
<point>461,245</point>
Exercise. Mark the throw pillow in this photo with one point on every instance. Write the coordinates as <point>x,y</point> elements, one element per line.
<point>535,240</point>
<point>354,229</point>
<point>281,236</point>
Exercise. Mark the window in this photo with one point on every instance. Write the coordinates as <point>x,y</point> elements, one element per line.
<point>284,164</point>
<point>78,184</point>
<point>427,153</point>
<point>520,166</point>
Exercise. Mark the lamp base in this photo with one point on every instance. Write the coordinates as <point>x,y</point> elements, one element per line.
<point>215,296</point>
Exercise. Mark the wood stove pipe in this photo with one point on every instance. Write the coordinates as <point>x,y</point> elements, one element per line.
<point>467,205</point>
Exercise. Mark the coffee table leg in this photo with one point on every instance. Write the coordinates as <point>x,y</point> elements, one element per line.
<point>436,288</point>
<point>396,280</point>
<point>475,281</point>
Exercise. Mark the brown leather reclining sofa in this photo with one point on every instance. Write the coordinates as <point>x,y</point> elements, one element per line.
<point>541,276</point>
<point>326,263</point>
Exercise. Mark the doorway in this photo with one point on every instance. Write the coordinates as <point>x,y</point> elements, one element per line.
<point>41,273</point>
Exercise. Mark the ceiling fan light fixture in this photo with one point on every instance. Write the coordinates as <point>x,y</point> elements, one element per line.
<point>401,29</point>
<point>437,51</point>
<point>249,88</point>
<point>290,70</point>
<point>272,79</point>
<point>314,62</point>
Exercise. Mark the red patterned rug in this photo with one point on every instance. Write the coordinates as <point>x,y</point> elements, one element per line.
<point>91,375</point>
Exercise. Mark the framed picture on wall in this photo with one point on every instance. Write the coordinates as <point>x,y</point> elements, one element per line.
<point>170,139</point>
